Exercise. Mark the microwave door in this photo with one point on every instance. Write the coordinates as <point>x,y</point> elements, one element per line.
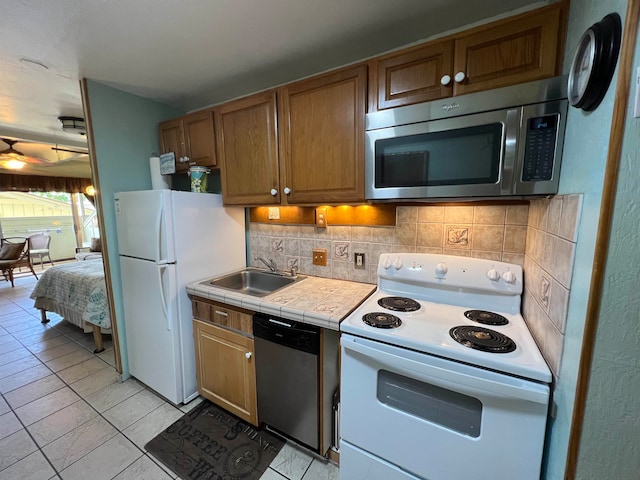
<point>456,157</point>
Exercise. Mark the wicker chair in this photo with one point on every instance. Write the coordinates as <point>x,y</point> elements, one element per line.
<point>39,247</point>
<point>14,253</point>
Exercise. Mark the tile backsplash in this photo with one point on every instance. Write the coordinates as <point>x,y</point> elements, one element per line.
<point>552,233</point>
<point>487,231</point>
<point>540,236</point>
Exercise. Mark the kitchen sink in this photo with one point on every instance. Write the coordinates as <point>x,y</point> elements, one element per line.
<point>253,281</point>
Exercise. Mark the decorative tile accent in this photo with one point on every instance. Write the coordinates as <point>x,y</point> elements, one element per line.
<point>293,262</point>
<point>545,290</point>
<point>456,237</point>
<point>277,245</point>
<point>341,250</point>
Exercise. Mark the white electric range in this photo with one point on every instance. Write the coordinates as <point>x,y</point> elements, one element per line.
<point>440,376</point>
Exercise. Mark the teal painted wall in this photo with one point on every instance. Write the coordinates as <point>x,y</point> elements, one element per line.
<point>584,157</point>
<point>610,446</point>
<point>125,134</point>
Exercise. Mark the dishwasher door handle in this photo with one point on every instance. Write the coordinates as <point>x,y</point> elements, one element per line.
<point>278,322</point>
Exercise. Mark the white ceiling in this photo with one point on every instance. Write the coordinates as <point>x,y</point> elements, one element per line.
<point>195,53</point>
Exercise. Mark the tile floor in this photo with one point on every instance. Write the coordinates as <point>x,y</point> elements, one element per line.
<point>64,415</point>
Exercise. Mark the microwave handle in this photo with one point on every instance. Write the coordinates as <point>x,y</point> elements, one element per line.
<point>511,134</point>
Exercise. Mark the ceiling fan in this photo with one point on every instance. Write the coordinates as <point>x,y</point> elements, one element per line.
<point>14,159</point>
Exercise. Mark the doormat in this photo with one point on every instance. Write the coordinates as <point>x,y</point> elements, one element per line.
<point>210,443</point>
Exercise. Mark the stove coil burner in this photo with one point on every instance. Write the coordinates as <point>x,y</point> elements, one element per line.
<point>381,320</point>
<point>482,339</point>
<point>399,304</point>
<point>486,318</point>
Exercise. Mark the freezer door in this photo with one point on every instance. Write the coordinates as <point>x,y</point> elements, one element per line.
<point>145,225</point>
<point>209,238</point>
<point>150,317</point>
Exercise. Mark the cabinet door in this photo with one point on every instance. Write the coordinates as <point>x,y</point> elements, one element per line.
<point>518,50</point>
<point>226,370</point>
<point>248,150</point>
<point>172,140</point>
<point>412,76</point>
<point>322,138</point>
<point>200,138</point>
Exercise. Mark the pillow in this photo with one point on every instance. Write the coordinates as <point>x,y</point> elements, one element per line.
<point>96,245</point>
<point>11,251</point>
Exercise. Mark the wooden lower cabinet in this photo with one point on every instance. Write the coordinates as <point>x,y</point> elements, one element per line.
<point>225,366</point>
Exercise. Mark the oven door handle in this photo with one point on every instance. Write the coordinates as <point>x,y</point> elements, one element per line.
<point>452,378</point>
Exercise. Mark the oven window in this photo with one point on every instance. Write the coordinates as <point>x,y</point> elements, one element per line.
<point>447,408</point>
<point>464,156</point>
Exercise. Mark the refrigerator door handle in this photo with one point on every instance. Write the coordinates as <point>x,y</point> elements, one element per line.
<point>159,232</point>
<point>165,310</point>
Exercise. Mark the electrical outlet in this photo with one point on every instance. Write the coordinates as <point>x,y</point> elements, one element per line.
<point>320,256</point>
<point>358,260</point>
<point>321,217</point>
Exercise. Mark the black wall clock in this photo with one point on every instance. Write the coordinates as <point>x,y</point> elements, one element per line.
<point>594,62</point>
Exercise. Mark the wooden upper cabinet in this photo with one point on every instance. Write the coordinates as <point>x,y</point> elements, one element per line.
<point>322,137</point>
<point>171,138</point>
<point>411,76</point>
<point>514,50</point>
<point>518,50</point>
<point>191,138</point>
<point>247,139</point>
<point>200,138</point>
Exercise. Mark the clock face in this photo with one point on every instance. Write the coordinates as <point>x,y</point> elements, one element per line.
<point>594,63</point>
<point>581,67</point>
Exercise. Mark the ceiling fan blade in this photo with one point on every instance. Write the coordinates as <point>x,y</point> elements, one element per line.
<point>57,149</point>
<point>11,152</point>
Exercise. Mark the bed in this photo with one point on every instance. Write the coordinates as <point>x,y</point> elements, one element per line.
<point>77,292</point>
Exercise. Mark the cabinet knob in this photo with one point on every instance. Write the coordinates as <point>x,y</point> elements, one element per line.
<point>445,80</point>
<point>460,76</point>
<point>183,159</point>
<point>287,190</point>
<point>247,355</point>
<point>274,192</point>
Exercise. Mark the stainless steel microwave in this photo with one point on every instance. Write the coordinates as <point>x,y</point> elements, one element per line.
<point>500,143</point>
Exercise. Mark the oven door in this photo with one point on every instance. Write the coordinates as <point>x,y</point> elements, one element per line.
<point>465,156</point>
<point>436,419</point>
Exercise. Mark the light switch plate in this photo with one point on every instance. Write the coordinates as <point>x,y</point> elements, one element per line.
<point>358,261</point>
<point>274,213</point>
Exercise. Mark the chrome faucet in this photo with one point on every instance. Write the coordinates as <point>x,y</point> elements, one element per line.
<point>270,263</point>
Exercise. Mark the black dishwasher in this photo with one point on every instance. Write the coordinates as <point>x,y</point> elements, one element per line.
<point>287,376</point>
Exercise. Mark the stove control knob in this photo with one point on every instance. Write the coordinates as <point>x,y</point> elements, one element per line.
<point>493,275</point>
<point>397,264</point>
<point>387,264</point>
<point>509,276</point>
<point>441,270</point>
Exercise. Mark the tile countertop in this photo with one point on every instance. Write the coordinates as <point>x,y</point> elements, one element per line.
<point>315,300</point>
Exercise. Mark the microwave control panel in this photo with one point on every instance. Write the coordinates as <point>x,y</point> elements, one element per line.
<point>540,148</point>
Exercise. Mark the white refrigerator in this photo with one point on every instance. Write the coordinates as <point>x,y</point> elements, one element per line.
<point>167,239</point>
